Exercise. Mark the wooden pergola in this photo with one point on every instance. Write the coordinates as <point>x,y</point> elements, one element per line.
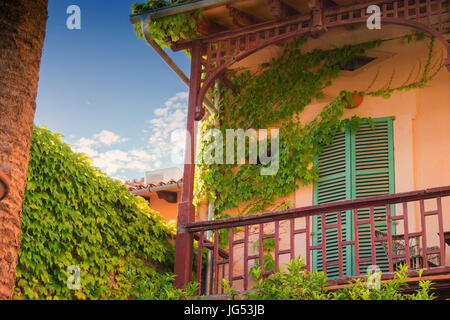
<point>232,31</point>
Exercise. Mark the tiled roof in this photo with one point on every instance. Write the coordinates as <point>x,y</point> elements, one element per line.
<point>139,184</point>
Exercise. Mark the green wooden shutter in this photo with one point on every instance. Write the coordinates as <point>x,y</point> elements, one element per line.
<point>333,185</point>
<point>356,165</point>
<point>372,174</point>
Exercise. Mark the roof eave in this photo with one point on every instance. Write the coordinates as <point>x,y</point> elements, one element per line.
<point>163,187</point>
<point>179,8</point>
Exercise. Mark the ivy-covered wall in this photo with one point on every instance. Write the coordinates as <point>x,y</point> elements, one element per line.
<point>73,215</point>
<point>274,96</point>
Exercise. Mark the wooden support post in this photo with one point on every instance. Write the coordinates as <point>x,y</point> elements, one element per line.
<point>316,17</point>
<point>279,10</point>
<point>186,210</point>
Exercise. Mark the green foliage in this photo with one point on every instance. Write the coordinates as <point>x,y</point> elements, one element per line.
<point>296,283</point>
<point>162,288</point>
<point>268,262</point>
<point>167,29</point>
<point>275,96</point>
<point>74,215</point>
<point>268,265</point>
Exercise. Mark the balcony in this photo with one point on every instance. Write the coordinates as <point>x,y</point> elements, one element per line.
<point>343,239</point>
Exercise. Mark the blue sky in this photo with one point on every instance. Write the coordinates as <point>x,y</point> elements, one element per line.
<point>107,92</point>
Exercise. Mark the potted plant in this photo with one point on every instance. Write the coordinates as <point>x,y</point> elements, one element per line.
<point>355,101</point>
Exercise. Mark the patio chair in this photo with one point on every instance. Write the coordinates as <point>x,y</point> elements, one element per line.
<point>398,248</point>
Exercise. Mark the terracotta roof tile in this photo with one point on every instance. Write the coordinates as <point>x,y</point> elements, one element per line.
<point>139,184</point>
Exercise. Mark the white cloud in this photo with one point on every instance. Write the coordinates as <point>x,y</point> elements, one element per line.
<point>85,145</point>
<point>167,122</point>
<point>165,137</point>
<point>111,161</point>
<point>143,155</point>
<point>105,137</point>
<point>114,160</point>
<point>182,95</point>
<point>161,112</point>
<point>120,178</point>
<point>108,138</point>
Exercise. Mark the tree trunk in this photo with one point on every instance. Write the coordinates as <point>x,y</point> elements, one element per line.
<point>22,33</point>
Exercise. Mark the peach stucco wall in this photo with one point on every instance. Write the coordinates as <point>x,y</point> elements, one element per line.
<point>167,210</point>
<point>421,116</point>
<point>421,127</point>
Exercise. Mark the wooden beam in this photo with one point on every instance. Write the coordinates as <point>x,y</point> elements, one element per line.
<point>206,27</point>
<point>227,82</point>
<point>316,17</point>
<point>241,18</point>
<point>279,10</point>
<point>186,44</point>
<point>169,196</point>
<point>329,4</point>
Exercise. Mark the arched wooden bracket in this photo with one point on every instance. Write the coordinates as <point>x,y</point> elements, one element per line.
<point>199,113</point>
<point>240,18</point>
<point>227,82</point>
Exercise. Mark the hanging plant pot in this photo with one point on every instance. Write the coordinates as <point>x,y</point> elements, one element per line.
<point>357,98</point>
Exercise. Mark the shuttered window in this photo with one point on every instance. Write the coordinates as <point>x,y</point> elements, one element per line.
<point>356,165</point>
<point>333,185</point>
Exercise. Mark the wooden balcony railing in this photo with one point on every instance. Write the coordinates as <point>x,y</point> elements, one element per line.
<point>341,238</point>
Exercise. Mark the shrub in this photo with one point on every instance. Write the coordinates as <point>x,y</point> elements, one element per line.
<point>162,289</point>
<point>296,283</point>
<point>73,215</point>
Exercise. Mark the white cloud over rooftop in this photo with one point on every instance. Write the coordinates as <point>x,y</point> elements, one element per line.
<point>119,157</point>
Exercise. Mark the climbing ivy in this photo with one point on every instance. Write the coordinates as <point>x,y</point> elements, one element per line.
<point>168,29</point>
<point>73,215</point>
<point>268,261</point>
<point>275,96</point>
